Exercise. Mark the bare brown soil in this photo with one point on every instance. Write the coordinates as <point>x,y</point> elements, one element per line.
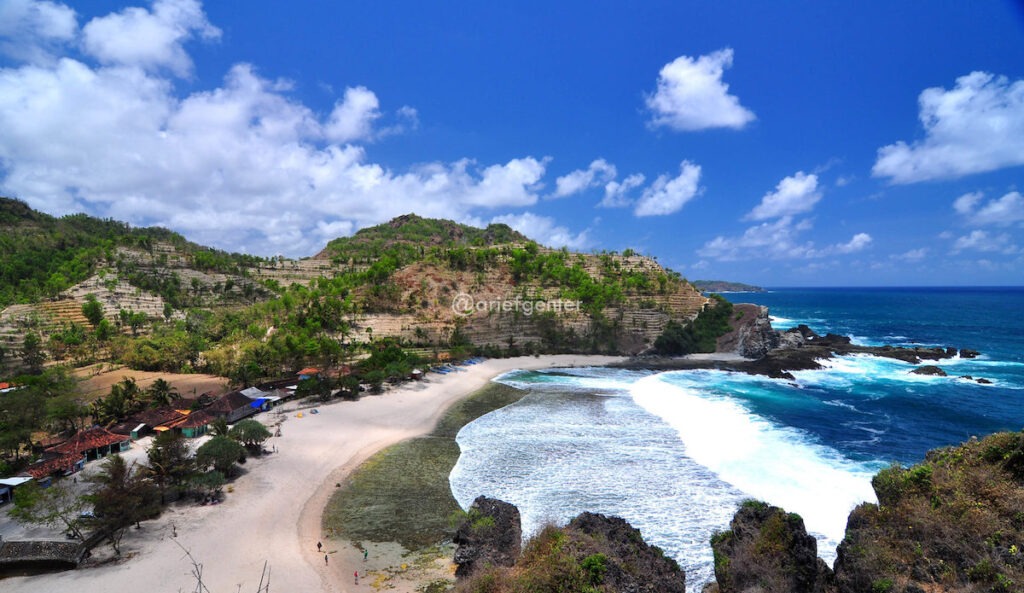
<point>95,380</point>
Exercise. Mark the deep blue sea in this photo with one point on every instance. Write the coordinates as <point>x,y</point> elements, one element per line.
<point>675,452</point>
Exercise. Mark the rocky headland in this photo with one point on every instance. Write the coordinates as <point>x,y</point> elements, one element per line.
<point>763,350</point>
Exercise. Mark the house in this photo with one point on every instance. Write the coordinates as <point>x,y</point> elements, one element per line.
<point>232,407</point>
<point>309,373</point>
<point>148,421</point>
<point>92,444</point>
<point>194,425</point>
<point>54,464</point>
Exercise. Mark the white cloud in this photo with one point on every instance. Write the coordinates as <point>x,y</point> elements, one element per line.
<point>668,195</point>
<point>779,240</point>
<point>977,126</point>
<point>965,204</point>
<point>599,172</point>
<point>984,241</point>
<point>691,95</point>
<point>148,39</point>
<point>616,193</point>
<point>544,230</point>
<point>912,256</point>
<point>352,118</point>
<point>859,242</point>
<point>793,195</point>
<point>242,166</point>
<point>31,31</point>
<point>1003,211</point>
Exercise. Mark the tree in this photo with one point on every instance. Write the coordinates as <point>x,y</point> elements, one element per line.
<point>55,507</point>
<point>161,393</point>
<point>221,453</point>
<point>121,403</point>
<point>123,497</point>
<point>65,413</point>
<point>104,330</point>
<point>170,462</point>
<point>250,433</point>
<point>32,353</point>
<point>92,309</point>
<point>219,427</point>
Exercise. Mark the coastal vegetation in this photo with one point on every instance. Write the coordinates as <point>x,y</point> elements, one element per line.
<point>700,334</point>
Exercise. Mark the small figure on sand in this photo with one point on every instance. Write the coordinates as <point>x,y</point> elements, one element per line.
<point>366,552</point>
<point>319,546</point>
<point>357,577</point>
<point>325,558</point>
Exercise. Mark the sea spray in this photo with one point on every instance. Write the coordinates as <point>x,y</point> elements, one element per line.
<point>777,464</point>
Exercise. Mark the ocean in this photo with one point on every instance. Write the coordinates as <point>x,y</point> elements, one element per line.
<point>674,453</point>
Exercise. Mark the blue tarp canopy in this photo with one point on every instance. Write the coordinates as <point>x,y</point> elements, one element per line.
<point>258,403</point>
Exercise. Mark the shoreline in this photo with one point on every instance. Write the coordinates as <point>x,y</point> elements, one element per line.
<point>273,511</point>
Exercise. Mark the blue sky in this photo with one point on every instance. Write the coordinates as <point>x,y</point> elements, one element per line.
<point>777,143</point>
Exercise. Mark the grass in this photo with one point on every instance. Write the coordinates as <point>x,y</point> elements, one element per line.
<point>402,493</point>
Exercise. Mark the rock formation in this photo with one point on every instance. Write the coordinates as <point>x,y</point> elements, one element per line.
<point>491,536</point>
<point>767,550</point>
<point>752,335</point>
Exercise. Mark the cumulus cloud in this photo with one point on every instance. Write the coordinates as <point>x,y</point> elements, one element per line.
<point>32,31</point>
<point>977,126</point>
<point>616,193</point>
<point>1003,211</point>
<point>691,95</point>
<point>793,195</point>
<point>859,242</point>
<point>667,195</point>
<point>779,240</point>
<point>912,256</point>
<point>599,172</point>
<point>984,241</point>
<point>148,39</point>
<point>242,166</point>
<point>544,230</point>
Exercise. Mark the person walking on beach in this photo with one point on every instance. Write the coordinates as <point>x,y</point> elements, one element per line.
<point>366,552</point>
<point>357,577</point>
<point>319,546</point>
<point>325,559</point>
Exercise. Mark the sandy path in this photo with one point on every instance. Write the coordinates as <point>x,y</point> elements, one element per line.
<point>274,513</point>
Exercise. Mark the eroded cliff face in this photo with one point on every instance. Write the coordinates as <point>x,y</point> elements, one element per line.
<point>752,335</point>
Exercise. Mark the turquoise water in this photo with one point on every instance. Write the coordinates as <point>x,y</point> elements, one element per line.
<point>675,452</point>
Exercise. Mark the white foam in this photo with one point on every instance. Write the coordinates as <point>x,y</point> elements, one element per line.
<point>776,464</point>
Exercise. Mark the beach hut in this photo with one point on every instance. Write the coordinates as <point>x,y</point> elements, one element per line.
<point>232,407</point>
<point>7,486</point>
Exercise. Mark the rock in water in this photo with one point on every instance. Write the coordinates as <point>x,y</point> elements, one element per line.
<point>929,369</point>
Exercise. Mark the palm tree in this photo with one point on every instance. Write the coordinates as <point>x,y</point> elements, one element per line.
<point>161,393</point>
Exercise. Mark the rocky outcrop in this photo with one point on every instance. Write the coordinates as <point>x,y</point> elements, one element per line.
<point>752,335</point>
<point>951,523</point>
<point>490,536</point>
<point>592,553</point>
<point>929,370</point>
<point>631,564</point>
<point>767,550</point>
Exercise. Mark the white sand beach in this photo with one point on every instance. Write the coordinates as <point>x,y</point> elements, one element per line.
<point>273,513</point>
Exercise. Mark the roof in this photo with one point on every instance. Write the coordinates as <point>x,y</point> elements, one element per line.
<point>253,393</point>
<point>87,440</point>
<point>48,467</point>
<point>309,371</point>
<point>194,420</point>
<point>14,482</point>
<point>229,402</point>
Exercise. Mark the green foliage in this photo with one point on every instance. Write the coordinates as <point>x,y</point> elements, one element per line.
<point>221,453</point>
<point>170,461</point>
<point>92,309</point>
<point>700,335</point>
<point>249,432</point>
<point>882,585</point>
<point>596,565</point>
<point>41,255</point>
